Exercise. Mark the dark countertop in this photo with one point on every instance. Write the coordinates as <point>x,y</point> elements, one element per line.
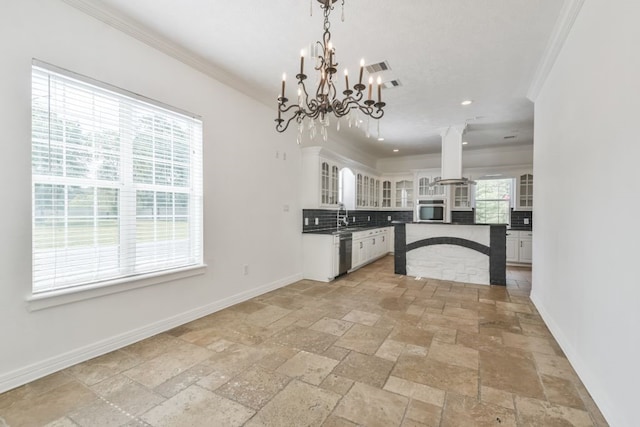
<point>448,223</point>
<point>345,229</point>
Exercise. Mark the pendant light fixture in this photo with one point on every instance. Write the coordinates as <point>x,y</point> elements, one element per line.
<point>324,100</point>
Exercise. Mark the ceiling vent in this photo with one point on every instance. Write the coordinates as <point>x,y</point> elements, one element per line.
<point>391,84</point>
<point>378,67</point>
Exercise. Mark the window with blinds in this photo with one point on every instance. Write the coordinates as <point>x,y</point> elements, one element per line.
<point>116,182</point>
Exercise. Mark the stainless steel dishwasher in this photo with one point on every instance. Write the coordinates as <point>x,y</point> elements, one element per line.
<point>344,253</point>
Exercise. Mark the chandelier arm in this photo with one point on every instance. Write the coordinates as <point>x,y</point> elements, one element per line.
<point>280,127</point>
<point>306,95</point>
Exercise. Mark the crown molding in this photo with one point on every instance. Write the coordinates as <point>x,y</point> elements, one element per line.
<point>98,10</point>
<point>568,14</point>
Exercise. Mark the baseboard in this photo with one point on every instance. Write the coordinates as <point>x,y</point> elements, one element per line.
<point>46,367</point>
<point>578,365</point>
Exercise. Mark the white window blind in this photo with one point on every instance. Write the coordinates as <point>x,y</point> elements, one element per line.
<point>116,182</point>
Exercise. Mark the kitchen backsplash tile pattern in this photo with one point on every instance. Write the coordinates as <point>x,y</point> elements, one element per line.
<point>518,219</point>
<point>326,218</point>
<point>463,217</point>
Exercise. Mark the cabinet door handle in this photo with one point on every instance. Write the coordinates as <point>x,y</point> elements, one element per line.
<point>520,243</point>
<point>374,241</point>
<point>360,245</point>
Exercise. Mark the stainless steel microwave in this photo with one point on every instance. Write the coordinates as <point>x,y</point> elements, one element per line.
<point>431,210</point>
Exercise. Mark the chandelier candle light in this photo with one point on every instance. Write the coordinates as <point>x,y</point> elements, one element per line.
<point>325,101</point>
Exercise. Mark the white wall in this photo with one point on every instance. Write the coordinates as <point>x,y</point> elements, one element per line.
<point>245,188</point>
<point>586,281</point>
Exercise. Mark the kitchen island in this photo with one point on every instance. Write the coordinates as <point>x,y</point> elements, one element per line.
<point>470,253</point>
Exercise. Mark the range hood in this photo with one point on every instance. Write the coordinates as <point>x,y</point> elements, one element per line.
<point>451,172</point>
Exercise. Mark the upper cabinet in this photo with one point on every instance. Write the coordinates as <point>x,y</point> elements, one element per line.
<point>524,197</point>
<point>396,192</point>
<point>329,178</point>
<point>426,187</point>
<point>461,197</point>
<point>367,191</point>
<point>386,193</point>
<point>404,193</point>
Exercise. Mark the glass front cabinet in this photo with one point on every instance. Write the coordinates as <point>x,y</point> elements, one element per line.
<point>367,191</point>
<point>426,187</point>
<point>329,178</point>
<point>404,193</point>
<point>525,191</point>
<point>462,196</point>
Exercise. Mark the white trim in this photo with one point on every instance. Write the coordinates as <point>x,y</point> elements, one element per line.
<point>37,370</point>
<point>568,14</point>
<point>72,294</point>
<point>581,368</point>
<point>109,16</point>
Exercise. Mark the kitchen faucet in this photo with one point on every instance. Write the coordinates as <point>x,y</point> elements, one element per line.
<point>341,218</point>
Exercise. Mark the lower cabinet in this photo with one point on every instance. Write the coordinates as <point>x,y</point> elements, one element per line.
<point>369,245</point>
<point>519,246</point>
<point>320,256</point>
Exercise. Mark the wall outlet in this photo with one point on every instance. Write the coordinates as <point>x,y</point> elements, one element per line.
<point>368,218</point>
<point>277,154</point>
<point>317,221</point>
<point>526,221</point>
<point>284,156</point>
<point>285,208</point>
<point>389,218</point>
<point>306,221</point>
<point>245,269</point>
<point>354,219</point>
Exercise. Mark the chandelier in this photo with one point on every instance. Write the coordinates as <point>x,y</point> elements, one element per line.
<point>317,109</point>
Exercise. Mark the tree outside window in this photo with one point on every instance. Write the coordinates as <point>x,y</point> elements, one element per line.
<point>493,201</point>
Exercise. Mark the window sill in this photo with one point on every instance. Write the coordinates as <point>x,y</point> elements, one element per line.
<point>67,296</point>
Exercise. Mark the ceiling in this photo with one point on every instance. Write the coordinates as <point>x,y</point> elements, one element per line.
<point>442,51</point>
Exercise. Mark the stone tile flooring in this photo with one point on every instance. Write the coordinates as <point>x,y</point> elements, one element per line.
<point>370,349</point>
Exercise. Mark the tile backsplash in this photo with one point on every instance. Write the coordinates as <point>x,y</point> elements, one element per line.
<point>326,218</point>
<point>518,219</point>
<point>463,217</point>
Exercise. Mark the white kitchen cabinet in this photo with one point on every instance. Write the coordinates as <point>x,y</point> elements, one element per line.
<point>519,246</point>
<point>320,179</point>
<point>524,196</point>
<point>367,191</point>
<point>398,192</point>
<point>461,197</point>
<point>512,247</point>
<point>320,256</point>
<point>368,245</point>
<point>426,187</point>
<point>526,246</point>
<point>386,193</point>
<point>403,193</point>
<point>329,177</point>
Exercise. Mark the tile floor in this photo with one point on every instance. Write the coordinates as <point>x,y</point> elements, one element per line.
<point>370,349</point>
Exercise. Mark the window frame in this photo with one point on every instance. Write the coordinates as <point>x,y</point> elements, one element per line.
<point>127,211</point>
<point>509,201</point>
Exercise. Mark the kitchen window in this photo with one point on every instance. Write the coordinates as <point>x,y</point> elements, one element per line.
<point>493,201</point>
<point>116,184</point>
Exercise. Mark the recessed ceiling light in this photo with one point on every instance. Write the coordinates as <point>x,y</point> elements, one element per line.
<point>381,139</point>
<point>464,143</point>
<point>466,102</point>
<point>395,150</point>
